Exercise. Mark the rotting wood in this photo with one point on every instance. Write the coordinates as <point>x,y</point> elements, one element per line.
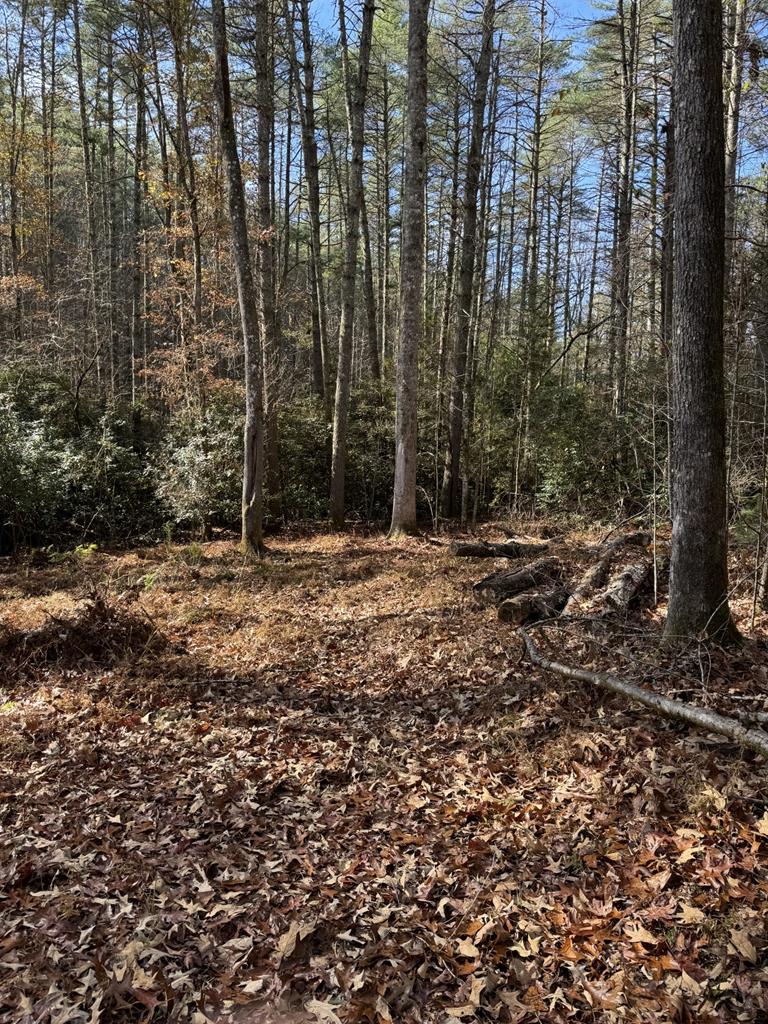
<point>597,575</point>
<point>700,718</point>
<point>625,586</point>
<point>532,607</point>
<point>506,583</point>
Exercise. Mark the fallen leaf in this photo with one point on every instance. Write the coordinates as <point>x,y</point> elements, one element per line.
<point>296,932</point>
<point>322,1011</point>
<point>468,948</point>
<point>691,915</point>
<point>742,943</point>
<point>635,932</point>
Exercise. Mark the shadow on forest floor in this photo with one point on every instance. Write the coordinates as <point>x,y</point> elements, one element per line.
<point>329,787</point>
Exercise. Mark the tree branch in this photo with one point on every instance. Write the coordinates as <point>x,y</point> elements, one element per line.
<point>676,710</point>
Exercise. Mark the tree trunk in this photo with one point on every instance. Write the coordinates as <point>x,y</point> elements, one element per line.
<point>267,241</point>
<point>355,101</point>
<point>733,108</point>
<point>90,199</point>
<point>507,583</point>
<point>412,273</point>
<point>253,462</point>
<point>698,593</point>
<point>451,491</point>
<point>305,94</point>
<point>629,30</point>
<point>372,339</point>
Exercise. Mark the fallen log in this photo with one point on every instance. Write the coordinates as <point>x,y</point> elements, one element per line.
<point>624,587</point>
<point>701,718</point>
<point>532,607</point>
<point>497,586</point>
<point>509,549</point>
<point>597,575</point>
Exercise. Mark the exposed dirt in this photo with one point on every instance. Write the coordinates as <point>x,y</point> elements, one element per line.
<point>327,787</point>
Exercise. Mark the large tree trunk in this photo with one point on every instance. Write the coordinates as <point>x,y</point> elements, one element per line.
<point>355,99</point>
<point>698,598</point>
<point>253,462</point>
<point>412,276</point>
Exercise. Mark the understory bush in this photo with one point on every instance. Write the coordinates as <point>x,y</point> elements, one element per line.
<point>72,473</point>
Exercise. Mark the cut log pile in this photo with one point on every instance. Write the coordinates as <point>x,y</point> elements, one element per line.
<point>540,590</point>
<point>618,572</point>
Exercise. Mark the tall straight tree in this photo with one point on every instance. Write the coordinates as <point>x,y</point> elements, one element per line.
<point>266,237</point>
<point>304,78</point>
<point>698,590</point>
<point>355,92</point>
<point>412,274</point>
<point>451,490</point>
<point>253,432</point>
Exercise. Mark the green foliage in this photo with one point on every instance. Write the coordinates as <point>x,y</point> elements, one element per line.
<point>305,459</point>
<point>371,451</point>
<point>586,461</point>
<point>64,476</point>
<point>199,466</point>
<point>31,479</point>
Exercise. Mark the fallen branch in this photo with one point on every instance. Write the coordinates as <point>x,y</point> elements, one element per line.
<point>510,549</point>
<point>676,710</point>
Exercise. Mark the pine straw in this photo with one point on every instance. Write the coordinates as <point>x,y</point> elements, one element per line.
<point>337,792</point>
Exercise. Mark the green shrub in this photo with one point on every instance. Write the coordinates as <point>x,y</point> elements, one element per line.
<point>198,470</point>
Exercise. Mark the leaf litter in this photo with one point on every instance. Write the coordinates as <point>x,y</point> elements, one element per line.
<point>327,788</point>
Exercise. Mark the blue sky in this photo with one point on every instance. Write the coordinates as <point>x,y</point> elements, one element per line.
<point>566,16</point>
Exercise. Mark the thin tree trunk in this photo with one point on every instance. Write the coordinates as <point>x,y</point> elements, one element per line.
<point>732,113</point>
<point>412,275</point>
<point>629,30</point>
<point>372,340</point>
<point>253,455</point>
<point>451,490</point>
<point>305,92</point>
<point>90,200</point>
<point>355,101</point>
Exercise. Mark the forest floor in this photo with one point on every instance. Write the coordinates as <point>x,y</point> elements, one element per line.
<point>328,787</point>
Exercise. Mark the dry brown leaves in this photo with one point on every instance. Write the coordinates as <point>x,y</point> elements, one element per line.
<point>335,793</point>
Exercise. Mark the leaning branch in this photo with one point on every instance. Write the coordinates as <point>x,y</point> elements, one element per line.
<point>673,709</point>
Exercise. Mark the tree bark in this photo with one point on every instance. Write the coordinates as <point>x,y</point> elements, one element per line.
<point>266,245</point>
<point>253,454</point>
<point>451,490</point>
<point>500,585</point>
<point>305,94</point>
<point>509,549</point>
<point>355,101</point>
<point>412,274</point>
<point>698,593</point>
<point>733,109</point>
